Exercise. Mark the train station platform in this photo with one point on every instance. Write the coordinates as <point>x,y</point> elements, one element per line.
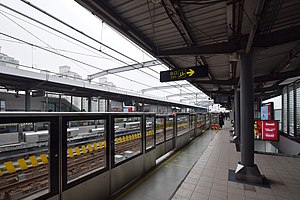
<point>208,178</point>
<point>163,181</point>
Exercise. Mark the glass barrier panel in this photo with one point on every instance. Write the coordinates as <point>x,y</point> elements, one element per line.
<point>192,122</point>
<point>207,117</point>
<point>127,138</point>
<point>24,160</point>
<point>215,118</point>
<point>200,120</point>
<point>160,130</point>
<point>149,132</point>
<point>182,124</point>
<point>169,128</point>
<point>86,147</point>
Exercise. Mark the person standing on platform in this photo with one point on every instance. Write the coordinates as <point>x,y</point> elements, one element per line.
<point>221,121</point>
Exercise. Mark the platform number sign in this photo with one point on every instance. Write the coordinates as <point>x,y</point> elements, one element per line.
<point>184,74</point>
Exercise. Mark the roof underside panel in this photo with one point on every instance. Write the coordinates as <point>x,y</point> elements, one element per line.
<point>219,66</point>
<point>267,59</point>
<point>207,22</point>
<point>280,14</point>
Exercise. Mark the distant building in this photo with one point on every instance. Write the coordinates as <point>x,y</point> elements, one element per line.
<point>7,61</point>
<point>65,71</point>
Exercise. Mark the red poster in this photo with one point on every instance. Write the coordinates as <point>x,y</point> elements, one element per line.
<point>266,130</point>
<point>270,130</point>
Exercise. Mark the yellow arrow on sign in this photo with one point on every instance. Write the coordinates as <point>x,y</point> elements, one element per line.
<point>191,72</point>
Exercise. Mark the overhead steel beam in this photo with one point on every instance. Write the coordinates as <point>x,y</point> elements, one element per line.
<point>166,87</point>
<point>221,82</point>
<point>264,41</point>
<point>289,57</point>
<point>258,14</point>
<point>175,14</point>
<point>124,69</point>
<point>186,94</point>
<point>282,75</point>
<point>258,79</point>
<point>194,99</point>
<point>269,17</point>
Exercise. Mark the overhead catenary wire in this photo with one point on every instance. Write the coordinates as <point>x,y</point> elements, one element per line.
<point>37,37</point>
<point>59,37</point>
<point>98,50</point>
<point>37,46</point>
<point>58,74</point>
<point>58,49</point>
<point>81,32</point>
<point>81,42</point>
<point>84,44</point>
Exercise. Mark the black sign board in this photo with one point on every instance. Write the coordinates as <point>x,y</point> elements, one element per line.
<point>184,73</point>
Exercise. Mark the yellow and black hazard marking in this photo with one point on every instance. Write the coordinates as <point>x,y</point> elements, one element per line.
<point>215,127</point>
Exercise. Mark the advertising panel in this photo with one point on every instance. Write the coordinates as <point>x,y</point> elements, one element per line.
<point>266,130</point>
<point>267,111</point>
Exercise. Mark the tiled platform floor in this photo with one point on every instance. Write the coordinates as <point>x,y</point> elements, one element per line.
<point>209,177</point>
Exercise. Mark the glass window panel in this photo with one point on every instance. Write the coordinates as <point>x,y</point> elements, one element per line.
<point>86,147</point>
<point>182,124</point>
<point>192,122</point>
<point>291,110</point>
<point>128,138</point>
<point>277,115</point>
<point>285,110</point>
<point>298,108</point>
<point>24,160</point>
<point>160,130</point>
<point>169,128</point>
<point>207,117</point>
<point>200,120</point>
<point>149,132</point>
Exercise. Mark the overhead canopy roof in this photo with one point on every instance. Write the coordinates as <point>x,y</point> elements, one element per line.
<point>185,33</point>
<point>23,80</point>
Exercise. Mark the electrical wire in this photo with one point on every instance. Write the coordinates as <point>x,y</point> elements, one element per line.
<point>75,29</point>
<point>64,50</point>
<point>38,38</point>
<point>37,46</point>
<point>84,44</point>
<point>58,36</point>
<point>58,74</point>
<point>75,38</point>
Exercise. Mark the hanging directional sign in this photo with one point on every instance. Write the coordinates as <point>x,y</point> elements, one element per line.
<point>184,73</point>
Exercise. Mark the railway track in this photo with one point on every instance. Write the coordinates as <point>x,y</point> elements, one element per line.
<point>22,183</point>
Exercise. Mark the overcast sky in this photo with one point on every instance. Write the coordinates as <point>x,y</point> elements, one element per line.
<point>72,13</point>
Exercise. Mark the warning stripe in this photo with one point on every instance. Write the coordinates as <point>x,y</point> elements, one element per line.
<point>22,164</point>
<point>33,161</point>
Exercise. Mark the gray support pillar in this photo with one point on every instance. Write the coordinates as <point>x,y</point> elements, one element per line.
<point>81,104</point>
<point>237,115</point>
<point>99,104</point>
<point>27,101</point>
<point>59,103</point>
<point>47,103</point>
<point>143,107</point>
<point>89,104</point>
<point>107,106</point>
<point>71,104</point>
<point>247,110</point>
<point>247,171</point>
